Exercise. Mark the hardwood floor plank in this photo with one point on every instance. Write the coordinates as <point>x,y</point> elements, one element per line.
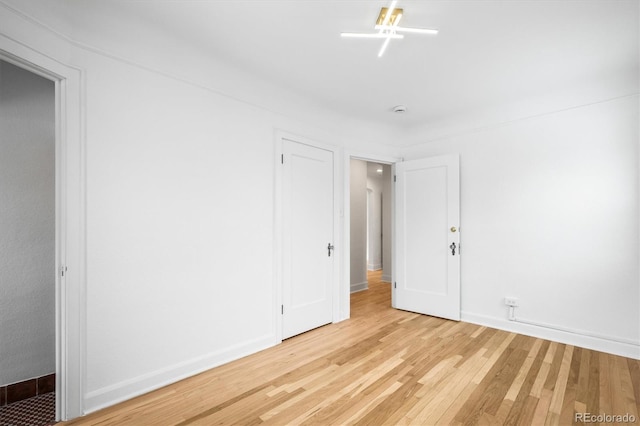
<point>567,414</point>
<point>634,371</point>
<point>368,405</point>
<point>294,383</point>
<point>478,332</point>
<point>629,402</point>
<point>391,410</point>
<point>504,373</point>
<point>353,390</point>
<point>538,386</point>
<point>554,368</point>
<point>445,396</point>
<point>497,353</point>
<point>349,410</point>
<point>593,386</point>
<point>528,409</point>
<point>503,411</point>
<point>560,386</point>
<point>605,385</point>
<point>480,341</point>
<point>318,389</point>
<point>389,367</point>
<point>524,405</point>
<point>514,390</point>
<point>583,379</point>
<point>504,366</point>
<point>542,408</point>
<point>228,403</point>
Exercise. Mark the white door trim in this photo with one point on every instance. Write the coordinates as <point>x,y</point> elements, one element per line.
<point>345,288</point>
<point>70,221</point>
<point>278,225</point>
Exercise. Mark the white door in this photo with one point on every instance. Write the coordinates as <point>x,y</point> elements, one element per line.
<point>307,237</point>
<point>427,277</point>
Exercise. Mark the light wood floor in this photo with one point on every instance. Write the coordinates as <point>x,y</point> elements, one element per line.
<point>390,367</point>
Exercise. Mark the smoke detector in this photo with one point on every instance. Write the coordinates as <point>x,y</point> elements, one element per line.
<point>400,109</point>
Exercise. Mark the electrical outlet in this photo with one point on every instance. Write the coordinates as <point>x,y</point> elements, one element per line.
<point>511,301</point>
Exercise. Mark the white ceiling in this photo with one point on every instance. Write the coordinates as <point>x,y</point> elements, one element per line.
<point>489,56</point>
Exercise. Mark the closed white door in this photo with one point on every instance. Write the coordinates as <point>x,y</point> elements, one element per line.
<point>427,268</point>
<point>307,212</point>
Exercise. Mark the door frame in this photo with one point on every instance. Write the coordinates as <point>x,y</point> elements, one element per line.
<point>70,207</point>
<point>278,228</point>
<point>345,290</point>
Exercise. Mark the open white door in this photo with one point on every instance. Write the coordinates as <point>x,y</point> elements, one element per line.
<point>307,210</point>
<point>427,219</point>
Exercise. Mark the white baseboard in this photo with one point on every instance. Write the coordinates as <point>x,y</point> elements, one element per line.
<point>568,337</point>
<point>359,287</point>
<point>386,278</point>
<point>374,266</point>
<point>110,395</point>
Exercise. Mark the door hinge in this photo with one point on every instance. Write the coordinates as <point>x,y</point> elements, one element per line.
<point>63,269</point>
<point>281,309</point>
<point>394,178</point>
<point>281,158</point>
<point>395,285</point>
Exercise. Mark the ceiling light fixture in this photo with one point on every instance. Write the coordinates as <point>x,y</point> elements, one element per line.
<point>384,19</point>
<point>394,22</point>
<point>407,30</point>
<point>387,26</point>
<point>373,35</point>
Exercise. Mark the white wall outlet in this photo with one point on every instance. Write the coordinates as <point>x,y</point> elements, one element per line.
<point>511,301</point>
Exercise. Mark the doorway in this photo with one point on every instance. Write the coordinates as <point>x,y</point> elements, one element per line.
<point>70,221</point>
<point>370,219</point>
<point>425,200</point>
<point>28,252</point>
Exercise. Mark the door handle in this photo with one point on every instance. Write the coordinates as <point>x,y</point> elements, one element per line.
<point>329,248</point>
<point>453,249</point>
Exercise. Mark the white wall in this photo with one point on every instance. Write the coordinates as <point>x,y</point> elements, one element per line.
<point>180,200</point>
<point>180,227</point>
<point>27,225</point>
<point>549,214</point>
<point>358,228</point>
<point>180,214</point>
